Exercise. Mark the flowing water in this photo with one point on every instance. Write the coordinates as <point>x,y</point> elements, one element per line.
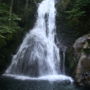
<point>38,56</point>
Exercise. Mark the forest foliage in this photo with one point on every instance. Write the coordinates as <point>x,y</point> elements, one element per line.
<point>79,8</point>
<point>8,24</point>
<point>78,15</point>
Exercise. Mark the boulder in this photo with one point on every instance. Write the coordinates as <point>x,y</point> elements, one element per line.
<point>82,52</point>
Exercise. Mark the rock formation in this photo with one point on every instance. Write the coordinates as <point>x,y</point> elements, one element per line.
<point>82,50</point>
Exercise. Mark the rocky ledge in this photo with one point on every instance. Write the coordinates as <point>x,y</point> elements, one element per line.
<point>82,52</point>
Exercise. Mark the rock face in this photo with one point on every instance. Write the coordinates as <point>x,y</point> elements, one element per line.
<point>82,51</point>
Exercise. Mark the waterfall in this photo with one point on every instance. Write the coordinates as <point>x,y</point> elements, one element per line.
<point>38,55</point>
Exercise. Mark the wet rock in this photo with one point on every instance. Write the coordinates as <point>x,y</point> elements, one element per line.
<point>82,51</point>
<point>81,43</point>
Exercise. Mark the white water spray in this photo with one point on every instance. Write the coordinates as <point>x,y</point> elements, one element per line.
<point>38,56</point>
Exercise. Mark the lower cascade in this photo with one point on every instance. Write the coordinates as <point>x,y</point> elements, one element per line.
<point>38,56</point>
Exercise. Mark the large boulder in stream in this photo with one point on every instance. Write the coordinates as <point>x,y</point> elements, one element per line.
<point>82,51</point>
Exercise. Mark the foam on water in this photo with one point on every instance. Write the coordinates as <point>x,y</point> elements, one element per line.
<point>50,78</point>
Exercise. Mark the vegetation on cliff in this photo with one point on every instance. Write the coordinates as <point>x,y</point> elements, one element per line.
<point>78,17</point>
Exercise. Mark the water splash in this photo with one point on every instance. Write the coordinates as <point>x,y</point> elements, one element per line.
<point>38,55</point>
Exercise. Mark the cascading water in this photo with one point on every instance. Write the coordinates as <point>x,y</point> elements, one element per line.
<point>38,56</point>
